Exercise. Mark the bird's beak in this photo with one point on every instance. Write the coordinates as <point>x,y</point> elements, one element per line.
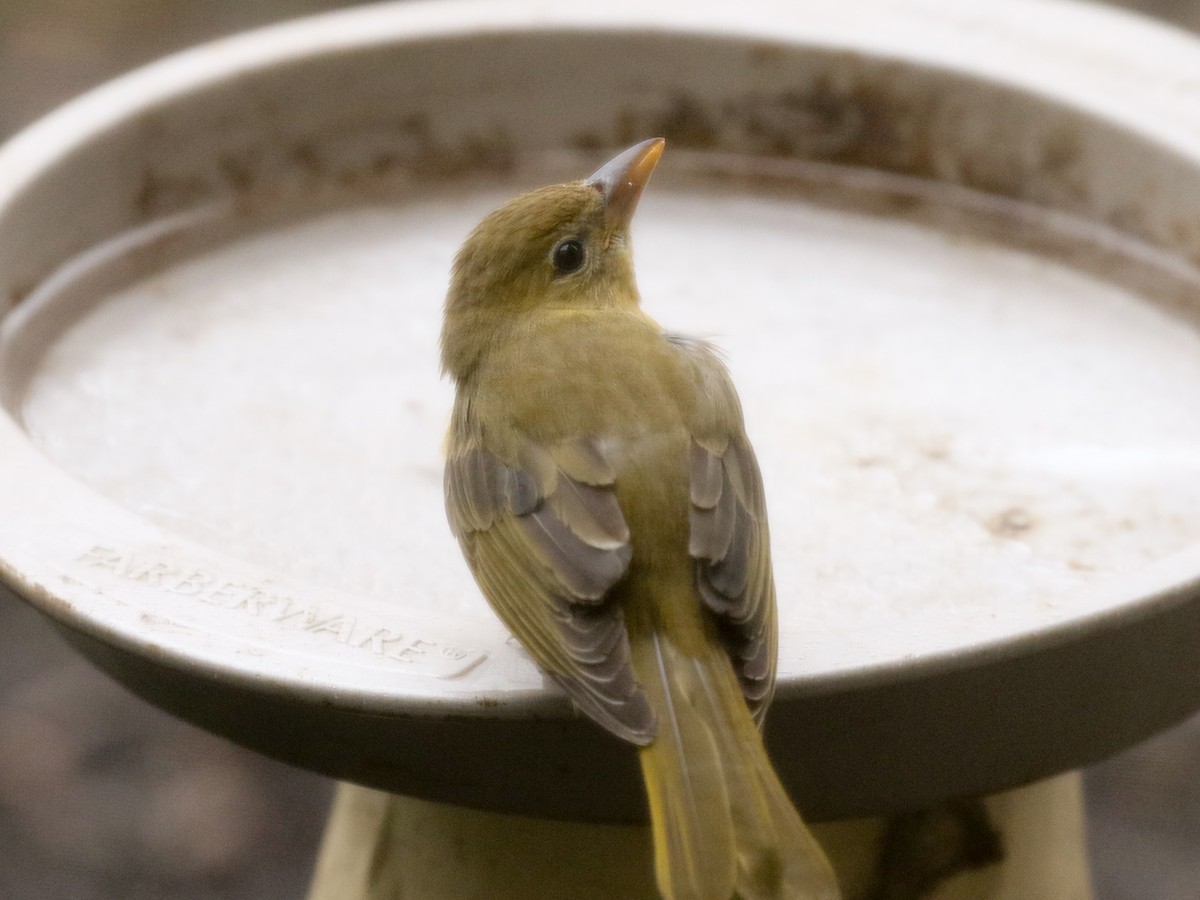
<point>622,179</point>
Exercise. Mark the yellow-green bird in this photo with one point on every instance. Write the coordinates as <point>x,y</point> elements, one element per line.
<point>604,493</point>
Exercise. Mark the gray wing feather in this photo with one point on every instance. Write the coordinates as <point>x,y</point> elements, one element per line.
<point>730,544</point>
<point>586,571</point>
<point>547,542</point>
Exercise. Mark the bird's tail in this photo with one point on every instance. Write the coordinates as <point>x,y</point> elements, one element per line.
<point>723,825</point>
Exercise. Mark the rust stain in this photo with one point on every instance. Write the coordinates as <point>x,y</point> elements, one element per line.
<point>685,122</point>
<point>254,175</point>
<point>588,141</point>
<point>19,291</point>
<point>844,108</point>
<point>840,108</point>
<point>1011,523</point>
<point>857,112</point>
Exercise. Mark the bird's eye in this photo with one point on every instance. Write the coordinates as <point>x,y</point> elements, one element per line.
<point>568,256</point>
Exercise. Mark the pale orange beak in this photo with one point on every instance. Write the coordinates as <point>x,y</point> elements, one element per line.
<point>623,178</point>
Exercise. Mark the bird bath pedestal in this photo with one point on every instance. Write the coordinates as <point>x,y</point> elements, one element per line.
<point>380,846</point>
<point>949,251</point>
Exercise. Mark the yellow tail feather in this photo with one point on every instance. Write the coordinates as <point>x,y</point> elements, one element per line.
<point>723,825</point>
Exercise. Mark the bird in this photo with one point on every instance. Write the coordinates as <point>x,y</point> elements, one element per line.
<point>608,502</point>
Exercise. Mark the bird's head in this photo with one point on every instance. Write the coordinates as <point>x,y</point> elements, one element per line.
<point>563,246</point>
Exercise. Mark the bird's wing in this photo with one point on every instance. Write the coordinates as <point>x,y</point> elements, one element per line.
<point>546,540</point>
<point>729,541</point>
<point>728,536</point>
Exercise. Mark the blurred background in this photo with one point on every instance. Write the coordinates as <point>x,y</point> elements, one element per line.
<point>102,796</point>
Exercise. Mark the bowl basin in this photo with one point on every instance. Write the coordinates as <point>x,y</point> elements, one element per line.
<point>949,251</point>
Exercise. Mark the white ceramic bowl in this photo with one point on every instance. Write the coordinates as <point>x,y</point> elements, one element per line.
<point>949,249</point>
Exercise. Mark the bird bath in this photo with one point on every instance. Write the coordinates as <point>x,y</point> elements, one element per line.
<point>953,271</point>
